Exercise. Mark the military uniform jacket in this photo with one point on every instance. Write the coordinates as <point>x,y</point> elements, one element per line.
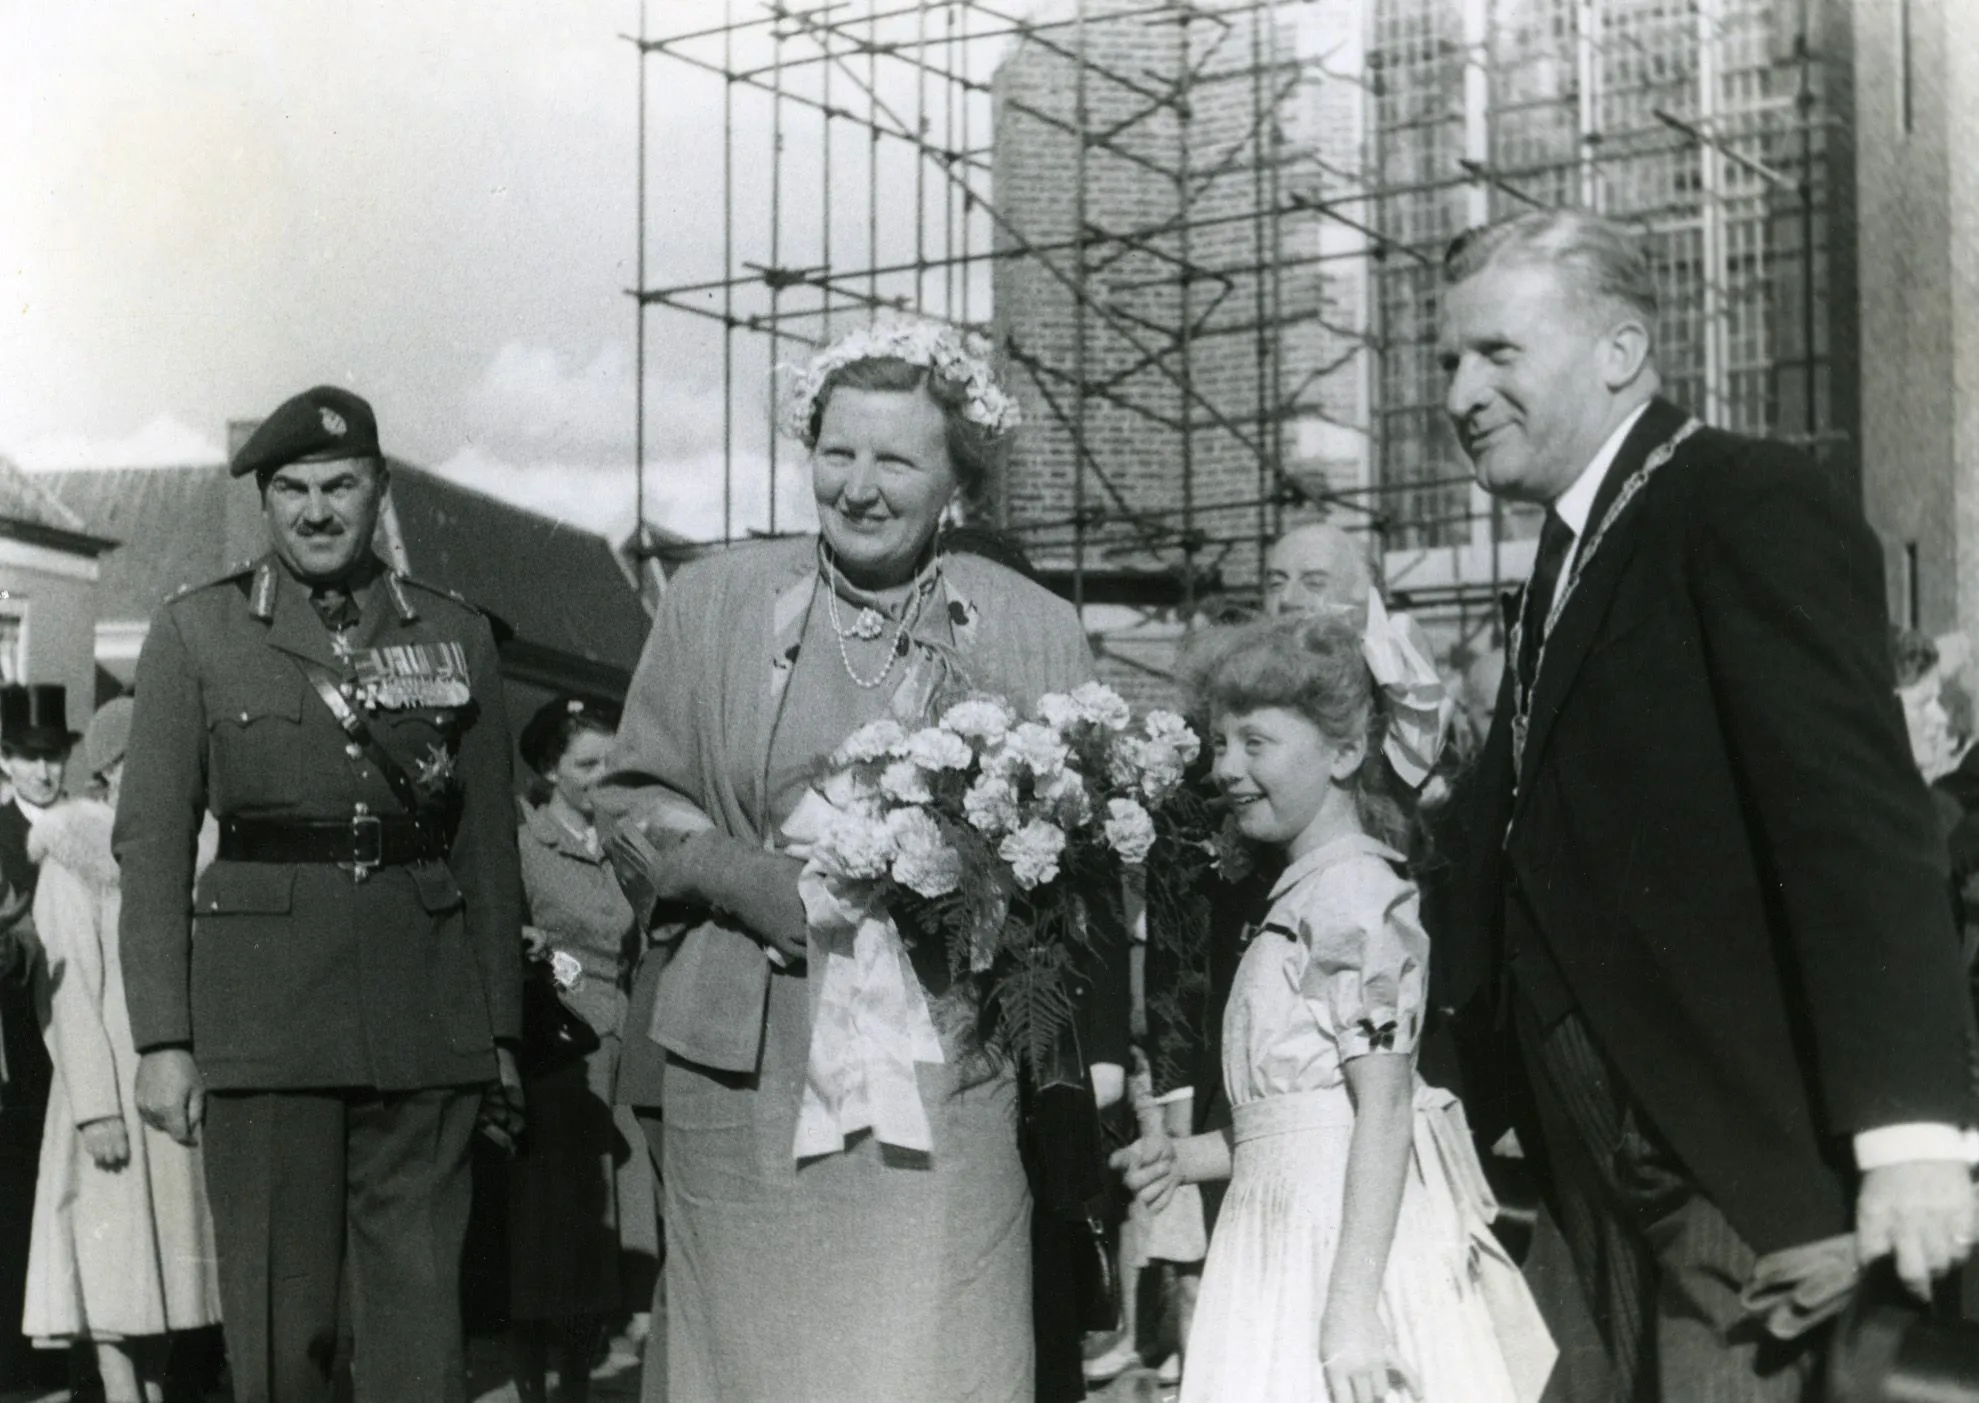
<point>281,975</point>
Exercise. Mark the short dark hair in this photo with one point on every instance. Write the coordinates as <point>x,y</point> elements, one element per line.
<point>975,453</point>
<point>556,724</point>
<point>1605,258</point>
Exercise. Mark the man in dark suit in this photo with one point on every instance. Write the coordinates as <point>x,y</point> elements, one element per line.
<point>334,994</point>
<point>1705,888</point>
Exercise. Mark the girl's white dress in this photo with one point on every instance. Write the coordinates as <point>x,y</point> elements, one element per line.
<point>1339,970</point>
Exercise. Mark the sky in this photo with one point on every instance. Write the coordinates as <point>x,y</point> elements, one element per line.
<point>206,207</point>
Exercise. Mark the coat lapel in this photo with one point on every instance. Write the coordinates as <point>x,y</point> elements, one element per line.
<point>1574,632</point>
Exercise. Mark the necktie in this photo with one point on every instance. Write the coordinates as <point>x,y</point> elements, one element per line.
<point>335,608</point>
<point>1555,539</point>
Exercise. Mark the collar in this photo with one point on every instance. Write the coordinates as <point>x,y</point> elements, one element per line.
<point>1575,505</point>
<point>272,572</point>
<point>550,831</point>
<point>1338,850</point>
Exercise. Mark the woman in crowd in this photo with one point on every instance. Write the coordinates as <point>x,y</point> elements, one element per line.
<point>123,1243</point>
<point>870,1271</point>
<point>1343,1265</point>
<point>582,1216</point>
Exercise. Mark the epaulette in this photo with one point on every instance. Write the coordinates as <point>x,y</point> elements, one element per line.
<point>239,570</point>
<point>401,579</point>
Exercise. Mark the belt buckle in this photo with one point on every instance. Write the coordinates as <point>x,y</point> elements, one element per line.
<point>367,845</point>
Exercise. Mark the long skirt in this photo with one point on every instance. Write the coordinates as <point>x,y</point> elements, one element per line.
<point>1255,1336</point>
<point>872,1275</point>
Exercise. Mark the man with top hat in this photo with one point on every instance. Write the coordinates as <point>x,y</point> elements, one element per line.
<point>35,741</point>
<point>331,1002</point>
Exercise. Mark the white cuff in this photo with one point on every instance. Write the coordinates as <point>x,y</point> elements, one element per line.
<point>777,958</point>
<point>1899,1144</point>
<point>1180,1093</point>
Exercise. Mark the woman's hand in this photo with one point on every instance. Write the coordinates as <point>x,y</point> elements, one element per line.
<point>1149,1168</point>
<point>652,870</point>
<point>1360,1361</point>
<point>107,1142</point>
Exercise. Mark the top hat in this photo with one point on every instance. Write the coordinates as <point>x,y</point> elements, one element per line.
<point>34,719</point>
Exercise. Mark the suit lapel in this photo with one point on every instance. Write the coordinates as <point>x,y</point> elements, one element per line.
<point>1574,631</point>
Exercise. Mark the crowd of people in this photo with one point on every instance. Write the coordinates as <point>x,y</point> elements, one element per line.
<point>1655,899</point>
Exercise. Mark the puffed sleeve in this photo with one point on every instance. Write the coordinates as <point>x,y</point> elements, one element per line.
<point>1369,969</point>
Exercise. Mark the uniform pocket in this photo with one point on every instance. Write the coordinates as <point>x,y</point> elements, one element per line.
<point>245,888</point>
<point>254,736</point>
<point>438,891</point>
<point>244,961</point>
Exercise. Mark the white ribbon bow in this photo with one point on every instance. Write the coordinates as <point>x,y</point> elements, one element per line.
<point>1419,706</point>
<point>870,1023</point>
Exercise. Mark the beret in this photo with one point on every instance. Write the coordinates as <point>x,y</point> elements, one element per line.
<point>318,425</point>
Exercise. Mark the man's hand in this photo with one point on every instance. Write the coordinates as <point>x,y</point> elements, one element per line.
<point>170,1093</point>
<point>106,1142</point>
<point>1921,1212</point>
<point>649,866</point>
<point>501,1117</point>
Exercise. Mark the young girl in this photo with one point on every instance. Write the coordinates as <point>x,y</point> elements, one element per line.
<point>1353,1259</point>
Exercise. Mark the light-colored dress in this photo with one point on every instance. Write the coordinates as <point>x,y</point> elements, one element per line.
<point>870,1274</point>
<point>1338,970</point>
<point>583,1216</point>
<point>117,1254</point>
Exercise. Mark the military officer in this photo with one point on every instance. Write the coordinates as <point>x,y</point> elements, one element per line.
<point>332,998</point>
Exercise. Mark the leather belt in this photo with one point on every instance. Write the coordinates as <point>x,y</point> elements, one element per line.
<point>362,841</point>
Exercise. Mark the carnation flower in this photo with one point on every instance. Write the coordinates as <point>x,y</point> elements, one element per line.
<point>846,789</point>
<point>923,861</point>
<point>1064,796</point>
<point>1036,747</point>
<point>936,749</point>
<point>1129,830</point>
<point>990,804</point>
<point>1166,725</point>
<point>1032,852</point>
<point>1101,705</point>
<point>871,741</point>
<point>980,718</point>
<point>1162,775</point>
<point>904,782</point>
<point>1059,711</point>
<point>856,847</point>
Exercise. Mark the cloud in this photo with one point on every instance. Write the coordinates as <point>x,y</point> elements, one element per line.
<point>162,443</point>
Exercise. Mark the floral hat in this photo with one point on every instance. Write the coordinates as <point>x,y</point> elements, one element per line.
<point>952,355</point>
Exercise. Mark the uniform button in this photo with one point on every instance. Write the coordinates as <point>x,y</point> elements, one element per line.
<point>243,718</point>
<point>353,750</point>
<point>361,808</point>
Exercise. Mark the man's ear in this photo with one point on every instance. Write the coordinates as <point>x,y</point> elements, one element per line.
<point>1624,352</point>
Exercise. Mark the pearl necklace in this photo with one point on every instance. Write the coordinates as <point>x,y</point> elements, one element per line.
<point>868,625</point>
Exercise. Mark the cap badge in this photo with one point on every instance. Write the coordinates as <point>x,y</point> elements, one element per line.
<point>333,422</point>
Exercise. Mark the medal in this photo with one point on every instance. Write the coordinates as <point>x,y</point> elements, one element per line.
<point>409,675</point>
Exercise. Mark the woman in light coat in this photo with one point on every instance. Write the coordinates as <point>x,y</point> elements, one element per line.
<point>122,1252</point>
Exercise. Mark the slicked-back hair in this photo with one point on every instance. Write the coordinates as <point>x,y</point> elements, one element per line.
<point>1604,259</point>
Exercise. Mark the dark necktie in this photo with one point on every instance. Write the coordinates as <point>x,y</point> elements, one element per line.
<point>1555,540</point>
<point>335,608</point>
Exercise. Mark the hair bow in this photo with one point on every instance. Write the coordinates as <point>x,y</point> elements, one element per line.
<point>1419,705</point>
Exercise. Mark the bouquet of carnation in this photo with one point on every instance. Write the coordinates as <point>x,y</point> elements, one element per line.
<point>998,836</point>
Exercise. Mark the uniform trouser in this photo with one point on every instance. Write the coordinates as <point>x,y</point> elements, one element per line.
<point>303,1182</point>
<point>1660,1265</point>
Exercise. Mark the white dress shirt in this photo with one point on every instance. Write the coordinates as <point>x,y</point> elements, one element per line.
<point>1874,1149</point>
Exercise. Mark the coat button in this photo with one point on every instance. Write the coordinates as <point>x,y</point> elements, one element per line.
<point>353,750</point>
<point>243,718</point>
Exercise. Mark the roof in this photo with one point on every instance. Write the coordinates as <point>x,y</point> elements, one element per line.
<point>140,507</point>
<point>561,589</point>
<point>28,509</point>
<point>557,585</point>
